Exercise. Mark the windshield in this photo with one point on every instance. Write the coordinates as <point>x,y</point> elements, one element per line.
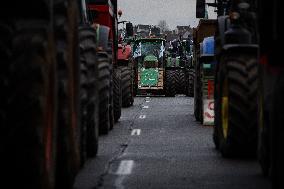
<point>149,48</point>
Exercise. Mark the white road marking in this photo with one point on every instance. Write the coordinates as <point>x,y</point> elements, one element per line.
<point>125,167</point>
<point>147,101</point>
<point>147,97</point>
<point>145,107</point>
<point>142,116</point>
<point>136,132</point>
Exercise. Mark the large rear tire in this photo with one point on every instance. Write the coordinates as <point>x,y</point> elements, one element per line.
<point>190,86</point>
<point>181,81</point>
<point>88,93</point>
<point>104,95</point>
<point>111,102</point>
<point>236,103</point>
<point>277,137</point>
<point>127,86</point>
<point>170,84</point>
<point>117,94</point>
<point>66,33</point>
<point>28,117</point>
<point>198,94</point>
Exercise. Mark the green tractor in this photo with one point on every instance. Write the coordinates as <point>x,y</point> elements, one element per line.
<point>180,72</point>
<point>149,67</point>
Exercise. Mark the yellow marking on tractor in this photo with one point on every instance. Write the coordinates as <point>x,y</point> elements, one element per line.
<point>225,109</point>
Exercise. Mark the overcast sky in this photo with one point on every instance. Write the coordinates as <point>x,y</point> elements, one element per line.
<point>175,12</point>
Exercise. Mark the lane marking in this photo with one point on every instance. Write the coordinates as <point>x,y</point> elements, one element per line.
<point>125,167</point>
<point>145,107</point>
<point>142,116</point>
<point>136,132</point>
<point>147,97</point>
<point>147,101</point>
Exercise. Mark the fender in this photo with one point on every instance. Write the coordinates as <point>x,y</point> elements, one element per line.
<point>223,25</point>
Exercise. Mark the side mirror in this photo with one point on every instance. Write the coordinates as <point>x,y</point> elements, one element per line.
<point>200,8</point>
<point>129,29</point>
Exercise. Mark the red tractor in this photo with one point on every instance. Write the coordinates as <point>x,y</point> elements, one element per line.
<point>103,15</point>
<point>125,63</point>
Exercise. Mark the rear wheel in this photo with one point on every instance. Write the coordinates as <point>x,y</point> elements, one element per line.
<point>181,81</point>
<point>198,94</point>
<point>66,33</point>
<point>111,105</point>
<point>237,105</point>
<point>88,93</point>
<point>29,112</point>
<point>117,98</point>
<point>104,95</point>
<point>190,86</point>
<point>127,86</point>
<point>277,138</point>
<point>170,85</point>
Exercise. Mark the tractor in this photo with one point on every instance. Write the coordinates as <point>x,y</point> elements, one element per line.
<point>249,83</point>
<point>42,88</point>
<point>102,14</point>
<point>125,64</point>
<point>179,65</point>
<point>55,67</point>
<point>149,66</point>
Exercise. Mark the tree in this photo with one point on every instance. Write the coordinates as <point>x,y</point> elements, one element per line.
<point>163,26</point>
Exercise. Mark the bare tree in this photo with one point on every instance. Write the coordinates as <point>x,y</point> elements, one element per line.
<point>163,26</point>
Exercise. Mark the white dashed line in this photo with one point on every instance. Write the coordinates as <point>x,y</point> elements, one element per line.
<point>142,116</point>
<point>125,167</point>
<point>145,107</point>
<point>147,101</point>
<point>136,132</point>
<point>147,97</point>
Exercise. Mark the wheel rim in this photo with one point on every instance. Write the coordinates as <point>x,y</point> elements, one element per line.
<point>225,109</point>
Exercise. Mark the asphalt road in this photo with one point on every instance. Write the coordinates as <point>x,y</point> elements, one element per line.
<point>157,144</point>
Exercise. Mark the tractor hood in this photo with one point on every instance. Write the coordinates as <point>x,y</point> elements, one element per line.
<point>149,77</point>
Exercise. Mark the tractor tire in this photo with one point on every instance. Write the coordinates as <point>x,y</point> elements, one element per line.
<point>104,95</point>
<point>67,43</point>
<point>236,111</point>
<point>127,86</point>
<point>190,85</point>
<point>197,96</point>
<point>277,134</point>
<point>181,81</point>
<point>28,114</point>
<point>170,84</point>
<point>89,96</point>
<point>117,94</point>
<point>263,150</point>
<point>216,110</point>
<point>111,105</point>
